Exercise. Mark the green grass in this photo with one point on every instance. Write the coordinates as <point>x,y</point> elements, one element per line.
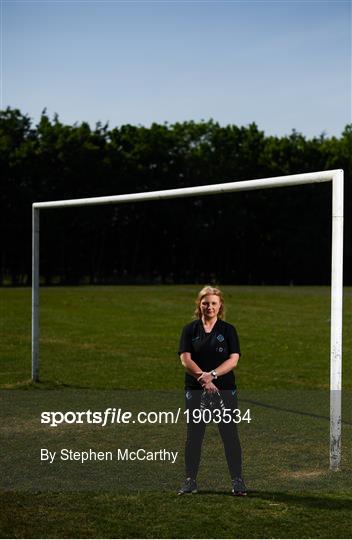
<point>91,336</point>
<point>99,343</point>
<point>262,515</point>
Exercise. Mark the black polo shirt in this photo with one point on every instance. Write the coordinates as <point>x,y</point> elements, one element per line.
<point>209,350</point>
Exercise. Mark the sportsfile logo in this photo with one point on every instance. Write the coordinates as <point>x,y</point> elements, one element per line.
<point>109,416</point>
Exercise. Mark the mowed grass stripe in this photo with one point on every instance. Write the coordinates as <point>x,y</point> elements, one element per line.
<point>89,334</point>
<point>155,515</point>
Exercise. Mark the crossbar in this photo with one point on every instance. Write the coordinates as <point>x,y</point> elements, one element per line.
<point>212,189</point>
<point>336,176</point>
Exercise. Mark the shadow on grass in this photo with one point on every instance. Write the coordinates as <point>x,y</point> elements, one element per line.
<point>293,411</point>
<point>28,384</point>
<point>54,385</point>
<point>295,499</point>
<point>299,499</point>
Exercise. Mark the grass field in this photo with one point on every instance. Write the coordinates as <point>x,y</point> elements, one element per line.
<point>102,345</point>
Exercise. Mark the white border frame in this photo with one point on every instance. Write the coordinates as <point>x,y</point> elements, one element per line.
<point>337,179</point>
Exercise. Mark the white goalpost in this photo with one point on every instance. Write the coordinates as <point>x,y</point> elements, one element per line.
<point>336,177</point>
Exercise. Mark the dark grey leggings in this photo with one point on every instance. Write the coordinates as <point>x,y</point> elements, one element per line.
<point>196,431</point>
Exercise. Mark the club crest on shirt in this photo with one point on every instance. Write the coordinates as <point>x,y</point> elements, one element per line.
<point>220,338</point>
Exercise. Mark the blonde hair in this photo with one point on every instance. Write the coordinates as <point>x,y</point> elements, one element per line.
<point>208,289</point>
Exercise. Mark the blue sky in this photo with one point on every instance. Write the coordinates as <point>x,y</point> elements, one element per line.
<point>282,64</point>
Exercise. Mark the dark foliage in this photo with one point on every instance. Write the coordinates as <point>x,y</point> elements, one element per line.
<point>275,236</point>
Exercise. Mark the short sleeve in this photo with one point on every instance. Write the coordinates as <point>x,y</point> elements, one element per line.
<point>185,340</point>
<point>233,341</point>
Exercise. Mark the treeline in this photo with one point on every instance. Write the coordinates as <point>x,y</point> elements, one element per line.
<point>278,236</point>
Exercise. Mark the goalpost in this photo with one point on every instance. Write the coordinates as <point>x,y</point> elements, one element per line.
<point>336,177</point>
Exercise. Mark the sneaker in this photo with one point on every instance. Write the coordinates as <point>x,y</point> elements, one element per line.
<point>189,486</point>
<point>238,487</point>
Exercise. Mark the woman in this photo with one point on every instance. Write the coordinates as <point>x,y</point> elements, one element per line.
<point>209,351</point>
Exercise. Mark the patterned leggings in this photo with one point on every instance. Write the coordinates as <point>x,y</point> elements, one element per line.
<point>196,431</point>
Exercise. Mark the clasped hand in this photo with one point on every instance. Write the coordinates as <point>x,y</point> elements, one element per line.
<point>205,380</point>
